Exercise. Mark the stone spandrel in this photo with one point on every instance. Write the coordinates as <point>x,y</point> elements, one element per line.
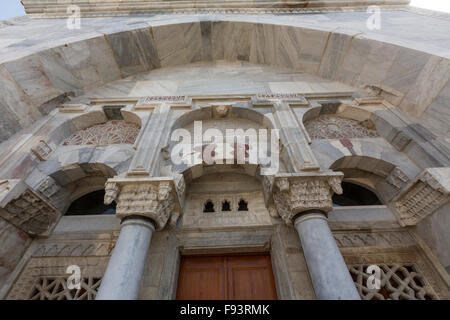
<point>426,194</point>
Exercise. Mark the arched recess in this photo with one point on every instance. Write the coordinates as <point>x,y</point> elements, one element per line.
<point>376,121</point>
<point>328,52</point>
<point>45,150</point>
<point>78,180</point>
<point>78,170</point>
<point>222,118</point>
<point>224,195</point>
<point>68,125</point>
<point>384,178</point>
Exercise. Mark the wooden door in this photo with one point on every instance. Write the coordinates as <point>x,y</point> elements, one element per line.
<point>226,277</point>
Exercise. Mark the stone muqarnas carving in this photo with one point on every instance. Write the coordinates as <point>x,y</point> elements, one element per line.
<point>25,209</point>
<point>426,194</point>
<point>296,193</point>
<point>156,200</point>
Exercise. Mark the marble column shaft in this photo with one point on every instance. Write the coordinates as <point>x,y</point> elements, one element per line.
<point>122,278</point>
<point>329,274</point>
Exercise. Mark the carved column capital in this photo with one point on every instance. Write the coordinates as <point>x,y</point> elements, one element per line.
<point>423,196</point>
<point>295,193</point>
<point>156,198</point>
<point>26,209</point>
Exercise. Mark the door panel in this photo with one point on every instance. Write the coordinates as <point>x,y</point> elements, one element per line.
<point>201,278</point>
<point>227,277</point>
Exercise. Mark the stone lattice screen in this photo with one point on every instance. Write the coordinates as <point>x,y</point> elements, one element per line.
<point>398,282</point>
<point>45,278</point>
<point>55,288</point>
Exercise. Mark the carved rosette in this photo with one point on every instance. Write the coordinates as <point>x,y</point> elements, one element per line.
<point>147,197</point>
<point>426,194</point>
<point>296,193</point>
<point>26,209</point>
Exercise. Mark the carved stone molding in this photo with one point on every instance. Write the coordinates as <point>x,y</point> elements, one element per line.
<point>296,193</point>
<point>74,249</point>
<point>397,178</point>
<point>221,110</point>
<point>151,102</point>
<point>110,132</point>
<point>49,187</point>
<point>72,108</point>
<point>42,150</point>
<point>117,8</point>
<point>426,194</point>
<point>26,209</point>
<point>154,198</point>
<point>290,98</point>
<point>374,239</point>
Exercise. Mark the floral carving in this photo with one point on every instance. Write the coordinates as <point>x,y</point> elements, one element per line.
<point>152,200</point>
<point>110,132</point>
<point>296,194</point>
<point>333,127</point>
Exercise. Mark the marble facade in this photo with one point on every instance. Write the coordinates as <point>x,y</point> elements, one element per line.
<point>92,109</point>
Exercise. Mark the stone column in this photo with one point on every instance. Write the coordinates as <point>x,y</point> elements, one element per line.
<point>122,278</point>
<point>303,199</point>
<point>144,205</point>
<point>329,274</point>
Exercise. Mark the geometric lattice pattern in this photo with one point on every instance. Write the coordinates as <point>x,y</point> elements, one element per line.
<point>110,132</point>
<point>332,127</point>
<point>55,288</point>
<point>398,282</point>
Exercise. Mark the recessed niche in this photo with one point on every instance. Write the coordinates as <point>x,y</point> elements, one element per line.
<point>209,206</point>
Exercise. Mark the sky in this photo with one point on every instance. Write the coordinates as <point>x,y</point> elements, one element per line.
<point>13,8</point>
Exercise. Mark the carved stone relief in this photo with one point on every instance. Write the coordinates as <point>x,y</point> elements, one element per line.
<point>373,239</point>
<point>153,199</point>
<point>333,127</point>
<point>292,98</point>
<point>293,194</point>
<point>49,187</point>
<point>425,195</point>
<point>46,279</point>
<point>397,178</point>
<point>42,150</point>
<point>110,132</point>
<point>25,209</point>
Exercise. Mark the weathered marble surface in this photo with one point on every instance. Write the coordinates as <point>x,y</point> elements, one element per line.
<point>42,61</point>
<point>13,244</point>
